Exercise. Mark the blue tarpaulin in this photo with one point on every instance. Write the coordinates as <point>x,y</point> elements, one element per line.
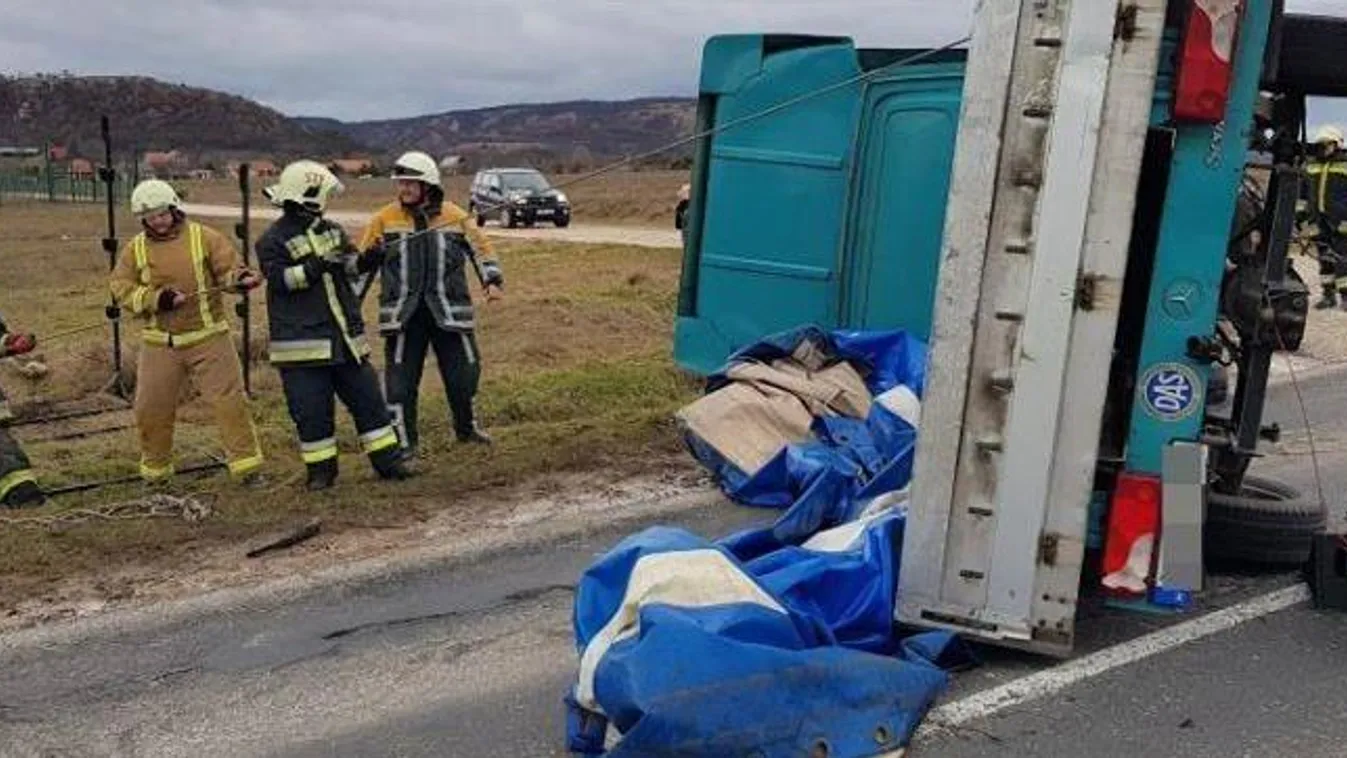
<point>776,640</point>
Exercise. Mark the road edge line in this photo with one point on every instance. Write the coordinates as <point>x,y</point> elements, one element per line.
<point>950,716</point>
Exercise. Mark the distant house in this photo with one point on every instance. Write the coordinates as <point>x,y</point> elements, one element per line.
<point>58,153</point>
<point>452,164</point>
<point>81,168</point>
<point>164,165</point>
<point>352,166</point>
<point>260,168</point>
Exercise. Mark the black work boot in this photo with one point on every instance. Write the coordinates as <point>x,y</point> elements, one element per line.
<point>1329,300</point>
<point>24,495</point>
<point>322,475</point>
<point>391,465</point>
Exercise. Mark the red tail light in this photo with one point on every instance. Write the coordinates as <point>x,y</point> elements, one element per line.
<point>1133,533</point>
<point>1207,61</point>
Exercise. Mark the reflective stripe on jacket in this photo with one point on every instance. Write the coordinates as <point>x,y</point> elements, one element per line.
<point>199,263</point>
<point>430,268</point>
<point>1324,194</point>
<point>311,322</point>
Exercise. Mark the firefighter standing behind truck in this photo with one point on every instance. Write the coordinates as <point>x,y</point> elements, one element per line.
<point>174,274</point>
<point>18,485</point>
<point>317,333</point>
<point>423,247</point>
<point>1323,208</point>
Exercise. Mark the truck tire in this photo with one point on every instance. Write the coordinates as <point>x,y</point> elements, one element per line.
<point>1269,523</point>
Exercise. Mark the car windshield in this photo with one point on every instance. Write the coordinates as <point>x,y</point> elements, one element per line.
<point>524,180</point>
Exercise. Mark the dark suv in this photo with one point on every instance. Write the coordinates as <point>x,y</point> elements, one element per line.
<point>516,196</point>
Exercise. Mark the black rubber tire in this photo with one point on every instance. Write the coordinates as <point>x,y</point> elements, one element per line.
<point>562,222</point>
<point>1312,60</point>
<point>1268,524</point>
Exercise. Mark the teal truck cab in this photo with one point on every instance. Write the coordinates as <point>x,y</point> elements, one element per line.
<point>821,196</point>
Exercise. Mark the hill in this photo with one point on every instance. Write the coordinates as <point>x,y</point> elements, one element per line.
<point>597,128</point>
<point>148,114</point>
<point>151,115</point>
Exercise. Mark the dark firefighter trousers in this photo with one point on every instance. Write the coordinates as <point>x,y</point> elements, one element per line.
<point>405,360</point>
<point>1333,261</point>
<point>310,394</point>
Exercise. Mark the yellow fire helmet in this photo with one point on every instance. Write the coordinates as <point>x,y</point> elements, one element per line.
<point>1330,135</point>
<point>152,196</point>
<point>308,183</point>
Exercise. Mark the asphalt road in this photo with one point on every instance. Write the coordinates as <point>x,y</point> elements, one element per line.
<point>473,661</point>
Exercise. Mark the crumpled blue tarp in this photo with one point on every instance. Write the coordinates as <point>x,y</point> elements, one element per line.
<point>771,640</point>
<point>829,481</point>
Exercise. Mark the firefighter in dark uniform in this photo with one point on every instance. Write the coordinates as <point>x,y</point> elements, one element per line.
<point>18,485</point>
<point>425,300</point>
<point>1323,209</point>
<point>316,330</point>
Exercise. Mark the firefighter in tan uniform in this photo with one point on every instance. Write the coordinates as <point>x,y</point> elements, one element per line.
<point>174,274</point>
<point>18,485</point>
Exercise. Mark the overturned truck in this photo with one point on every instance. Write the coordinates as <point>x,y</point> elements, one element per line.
<point>1066,213</point>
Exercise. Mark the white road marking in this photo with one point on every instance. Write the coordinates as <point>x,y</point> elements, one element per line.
<point>1052,681</point>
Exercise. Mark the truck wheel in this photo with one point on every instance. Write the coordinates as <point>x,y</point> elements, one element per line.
<point>563,221</point>
<point>1269,523</point>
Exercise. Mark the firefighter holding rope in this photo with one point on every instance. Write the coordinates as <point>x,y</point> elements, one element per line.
<point>173,275</point>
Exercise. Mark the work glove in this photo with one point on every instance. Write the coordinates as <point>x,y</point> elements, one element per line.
<point>315,266</point>
<point>246,280</point>
<point>372,259</point>
<point>18,344</point>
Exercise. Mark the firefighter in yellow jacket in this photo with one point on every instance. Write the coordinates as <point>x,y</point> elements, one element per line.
<point>174,274</point>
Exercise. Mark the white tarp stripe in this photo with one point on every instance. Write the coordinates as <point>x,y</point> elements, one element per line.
<point>845,538</point>
<point>902,402</point>
<point>684,579</point>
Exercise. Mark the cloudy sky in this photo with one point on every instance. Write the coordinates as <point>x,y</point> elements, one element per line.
<point>362,59</point>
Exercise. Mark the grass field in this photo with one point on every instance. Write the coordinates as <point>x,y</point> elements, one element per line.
<point>577,376</point>
<point>622,197</point>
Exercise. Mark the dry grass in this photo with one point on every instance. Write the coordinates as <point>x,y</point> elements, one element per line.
<point>577,376</point>
<point>622,197</point>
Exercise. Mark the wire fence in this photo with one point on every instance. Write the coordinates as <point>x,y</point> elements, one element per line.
<point>58,184</point>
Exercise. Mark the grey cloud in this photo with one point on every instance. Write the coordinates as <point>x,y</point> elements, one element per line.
<point>361,59</point>
<point>357,59</point>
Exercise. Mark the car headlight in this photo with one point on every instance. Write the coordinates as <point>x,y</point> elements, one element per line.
<point>561,197</point>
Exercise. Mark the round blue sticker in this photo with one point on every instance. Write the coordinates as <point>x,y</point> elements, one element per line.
<point>1171,391</point>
